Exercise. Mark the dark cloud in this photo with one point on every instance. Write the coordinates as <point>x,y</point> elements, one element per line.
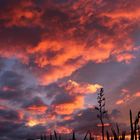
<point>11,79</point>
<point>35,101</point>
<point>20,131</point>
<point>2,65</point>
<point>58,94</point>
<point>132,83</point>
<point>17,36</point>
<point>13,88</point>
<point>11,83</point>
<point>55,17</point>
<point>7,128</point>
<point>36,106</point>
<point>9,115</point>
<point>62,99</point>
<point>115,113</point>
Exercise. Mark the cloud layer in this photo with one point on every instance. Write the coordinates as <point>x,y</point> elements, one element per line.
<point>56,54</point>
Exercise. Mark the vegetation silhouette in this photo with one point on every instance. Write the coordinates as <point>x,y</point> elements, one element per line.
<point>116,133</point>
<point>101,109</point>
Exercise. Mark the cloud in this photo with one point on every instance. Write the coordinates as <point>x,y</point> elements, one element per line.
<point>9,115</point>
<point>69,108</point>
<point>86,119</point>
<point>36,106</point>
<point>122,11</point>
<point>126,57</point>
<point>82,121</point>
<point>24,15</point>
<point>44,44</point>
<point>127,97</point>
<point>13,88</point>
<point>115,114</point>
<point>11,79</point>
<point>137,94</point>
<point>11,85</point>
<point>80,88</point>
<point>32,121</point>
<point>64,42</point>
<point>120,102</point>
<point>129,89</point>
<point>63,130</point>
<point>6,129</point>
<point>71,97</point>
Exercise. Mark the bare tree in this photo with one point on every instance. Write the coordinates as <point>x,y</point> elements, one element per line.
<point>101,109</point>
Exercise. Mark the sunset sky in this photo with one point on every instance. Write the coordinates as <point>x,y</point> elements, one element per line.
<point>55,55</point>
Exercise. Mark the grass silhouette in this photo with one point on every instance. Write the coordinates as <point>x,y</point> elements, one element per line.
<point>101,109</point>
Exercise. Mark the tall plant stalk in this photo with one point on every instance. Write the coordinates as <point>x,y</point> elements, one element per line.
<point>101,109</point>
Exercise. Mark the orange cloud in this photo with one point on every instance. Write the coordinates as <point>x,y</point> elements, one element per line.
<point>44,119</point>
<point>124,14</point>
<point>69,108</point>
<point>137,94</point>
<point>21,55</point>
<point>63,130</point>
<point>58,72</point>
<point>63,57</point>
<point>127,97</point>
<point>127,57</point>
<point>121,101</point>
<point>67,118</point>
<point>59,52</point>
<point>33,121</point>
<point>83,88</point>
<point>39,109</point>
<point>124,99</point>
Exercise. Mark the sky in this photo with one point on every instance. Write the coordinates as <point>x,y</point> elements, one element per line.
<point>55,55</point>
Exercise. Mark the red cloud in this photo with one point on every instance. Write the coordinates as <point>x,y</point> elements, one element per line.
<point>70,40</point>
<point>24,15</point>
<point>37,109</point>
<point>63,130</point>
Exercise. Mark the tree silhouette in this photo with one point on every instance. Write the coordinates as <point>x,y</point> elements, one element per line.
<point>101,109</point>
